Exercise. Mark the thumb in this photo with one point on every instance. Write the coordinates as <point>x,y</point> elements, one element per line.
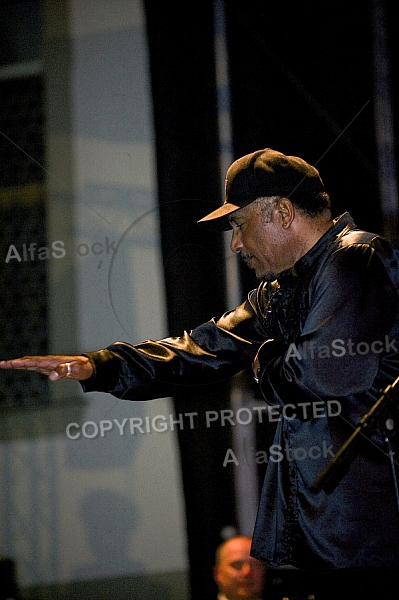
<point>54,375</point>
<point>61,371</point>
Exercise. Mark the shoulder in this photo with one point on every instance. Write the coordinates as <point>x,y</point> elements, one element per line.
<point>358,258</point>
<point>359,248</point>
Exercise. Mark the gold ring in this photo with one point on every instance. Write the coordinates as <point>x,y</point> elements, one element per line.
<point>69,369</point>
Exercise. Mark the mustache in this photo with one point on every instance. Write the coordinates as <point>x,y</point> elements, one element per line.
<point>245,256</point>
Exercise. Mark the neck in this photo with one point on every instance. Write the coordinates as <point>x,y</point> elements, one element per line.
<point>312,231</point>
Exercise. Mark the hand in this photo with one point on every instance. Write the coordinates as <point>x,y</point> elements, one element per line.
<point>54,366</point>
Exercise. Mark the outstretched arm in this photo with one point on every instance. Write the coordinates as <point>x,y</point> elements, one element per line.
<point>54,366</point>
<point>213,351</point>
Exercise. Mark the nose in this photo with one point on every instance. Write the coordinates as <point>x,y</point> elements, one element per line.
<point>246,569</point>
<point>236,243</point>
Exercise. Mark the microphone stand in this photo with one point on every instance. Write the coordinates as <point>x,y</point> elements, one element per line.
<point>336,468</point>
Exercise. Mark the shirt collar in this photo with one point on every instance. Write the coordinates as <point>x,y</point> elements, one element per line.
<point>341,225</point>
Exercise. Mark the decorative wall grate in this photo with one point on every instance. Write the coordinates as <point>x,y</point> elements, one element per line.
<point>23,281</point>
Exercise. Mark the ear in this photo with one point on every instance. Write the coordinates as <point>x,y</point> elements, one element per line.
<point>215,573</point>
<point>286,212</point>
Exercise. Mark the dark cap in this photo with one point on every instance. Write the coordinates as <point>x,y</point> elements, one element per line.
<point>262,173</point>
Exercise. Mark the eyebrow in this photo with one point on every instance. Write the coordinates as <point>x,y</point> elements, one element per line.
<point>234,219</point>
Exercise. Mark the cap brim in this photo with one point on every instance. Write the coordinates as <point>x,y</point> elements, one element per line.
<point>217,220</point>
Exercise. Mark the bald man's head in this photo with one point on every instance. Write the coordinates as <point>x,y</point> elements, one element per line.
<point>237,574</point>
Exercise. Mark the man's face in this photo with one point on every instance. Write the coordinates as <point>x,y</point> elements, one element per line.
<point>261,240</point>
<point>238,575</point>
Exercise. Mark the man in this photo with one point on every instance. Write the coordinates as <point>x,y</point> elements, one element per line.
<point>238,575</point>
<point>322,330</point>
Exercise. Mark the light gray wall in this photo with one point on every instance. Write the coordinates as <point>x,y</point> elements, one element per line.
<point>104,506</point>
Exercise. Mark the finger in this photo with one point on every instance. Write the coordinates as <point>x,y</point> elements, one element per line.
<point>68,366</point>
<point>28,363</point>
<point>42,364</point>
<point>54,366</point>
<point>62,371</point>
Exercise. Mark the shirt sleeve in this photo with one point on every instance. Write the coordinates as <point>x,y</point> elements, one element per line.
<point>210,353</point>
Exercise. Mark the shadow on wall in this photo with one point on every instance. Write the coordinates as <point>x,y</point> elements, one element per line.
<point>109,519</point>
